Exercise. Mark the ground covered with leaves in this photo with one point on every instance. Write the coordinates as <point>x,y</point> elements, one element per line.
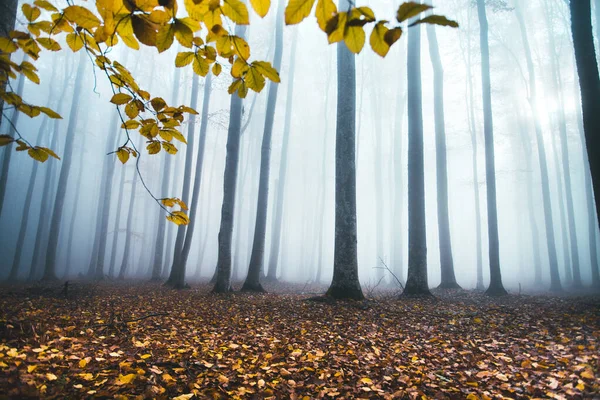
<point>145,341</point>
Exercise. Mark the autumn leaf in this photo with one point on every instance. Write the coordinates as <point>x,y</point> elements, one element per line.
<point>297,10</point>
<point>125,379</point>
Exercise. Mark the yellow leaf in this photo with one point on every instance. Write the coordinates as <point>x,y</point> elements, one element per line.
<point>49,44</point>
<point>45,5</point>
<point>410,9</point>
<point>236,11</point>
<point>326,9</point>
<point>164,37</point>
<point>125,379</point>
<point>184,58</point>
<point>82,363</point>
<point>6,139</point>
<point>472,396</point>
<point>216,69</point>
<point>354,37</point>
<point>183,34</point>
<point>7,45</point>
<point>153,148</point>
<point>51,377</point>
<point>31,368</point>
<point>158,104</point>
<point>123,155</point>
<point>377,39</point>
<point>31,13</point>
<point>477,320</point>
<point>120,98</point>
<point>336,27</point>
<point>180,218</point>
<point>436,20</point>
<point>223,379</point>
<point>145,356</point>
<point>267,70</point>
<point>473,384</point>
<point>184,397</point>
<point>200,66</point>
<point>588,374</point>
<point>82,17</point>
<point>131,124</point>
<point>167,378</point>
<point>38,154</point>
<point>74,41</point>
<point>255,80</point>
<point>580,386</point>
<point>297,10</point>
<point>261,7</point>
<point>392,35</point>
<point>169,148</point>
<point>49,152</point>
<point>49,112</point>
<point>143,30</point>
<point>367,381</point>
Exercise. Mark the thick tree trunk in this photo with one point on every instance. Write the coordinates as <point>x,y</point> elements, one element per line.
<point>177,275</point>
<point>345,283</point>
<point>282,175</point>
<point>252,282</point>
<point>193,206</point>
<point>446,262</point>
<point>8,15</point>
<point>555,284</point>
<point>589,83</point>
<point>496,288</point>
<point>416,282</point>
<point>223,271</point>
<point>67,158</point>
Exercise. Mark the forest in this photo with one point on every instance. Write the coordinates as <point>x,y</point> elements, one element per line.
<point>299,199</point>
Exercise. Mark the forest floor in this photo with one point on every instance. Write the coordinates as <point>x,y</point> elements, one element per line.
<point>124,341</point>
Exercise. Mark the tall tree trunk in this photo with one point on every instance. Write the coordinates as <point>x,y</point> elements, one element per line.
<point>8,15</point>
<point>159,247</point>
<point>115,241</point>
<point>555,284</point>
<point>55,224</point>
<point>177,275</point>
<point>187,243</point>
<point>8,150</point>
<point>74,212</point>
<point>129,227</point>
<point>252,282</point>
<point>566,164</point>
<point>283,164</point>
<point>345,283</point>
<point>416,282</point>
<point>223,281</point>
<point>589,83</point>
<point>446,261</point>
<point>496,288</point>
<point>376,106</point>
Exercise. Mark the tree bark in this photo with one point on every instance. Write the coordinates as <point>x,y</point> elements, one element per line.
<point>416,282</point>
<point>8,15</point>
<point>345,283</point>
<point>448,280</point>
<point>555,284</point>
<point>129,226</point>
<point>67,158</point>
<point>115,241</point>
<point>589,83</point>
<point>496,288</point>
<point>252,283</point>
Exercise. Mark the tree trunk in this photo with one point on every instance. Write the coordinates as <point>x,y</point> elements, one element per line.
<point>74,212</point>
<point>589,83</point>
<point>115,241</point>
<point>8,15</point>
<point>345,283</point>
<point>252,283</point>
<point>555,284</point>
<point>496,288</point>
<point>416,282</point>
<point>177,275</point>
<point>446,261</point>
<point>8,150</point>
<point>193,206</point>
<point>223,281</point>
<point>159,247</point>
<point>129,227</point>
<point>67,158</point>
<point>282,175</point>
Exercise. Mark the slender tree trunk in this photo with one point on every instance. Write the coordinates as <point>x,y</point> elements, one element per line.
<point>187,243</point>
<point>555,284</point>
<point>8,15</point>
<point>345,283</point>
<point>376,106</point>
<point>8,150</point>
<point>589,83</point>
<point>283,164</point>
<point>159,248</point>
<point>177,275</point>
<point>74,213</point>
<point>496,288</point>
<point>129,227</point>
<point>446,261</point>
<point>223,281</point>
<point>115,241</point>
<point>416,282</point>
<point>252,282</point>
<point>55,224</point>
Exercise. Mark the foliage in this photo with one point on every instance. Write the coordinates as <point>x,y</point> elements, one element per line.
<point>199,27</point>
<point>282,346</point>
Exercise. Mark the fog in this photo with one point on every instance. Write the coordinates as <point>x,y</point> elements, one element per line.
<point>307,234</point>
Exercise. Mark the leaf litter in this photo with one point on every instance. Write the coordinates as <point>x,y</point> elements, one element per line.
<point>145,341</point>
